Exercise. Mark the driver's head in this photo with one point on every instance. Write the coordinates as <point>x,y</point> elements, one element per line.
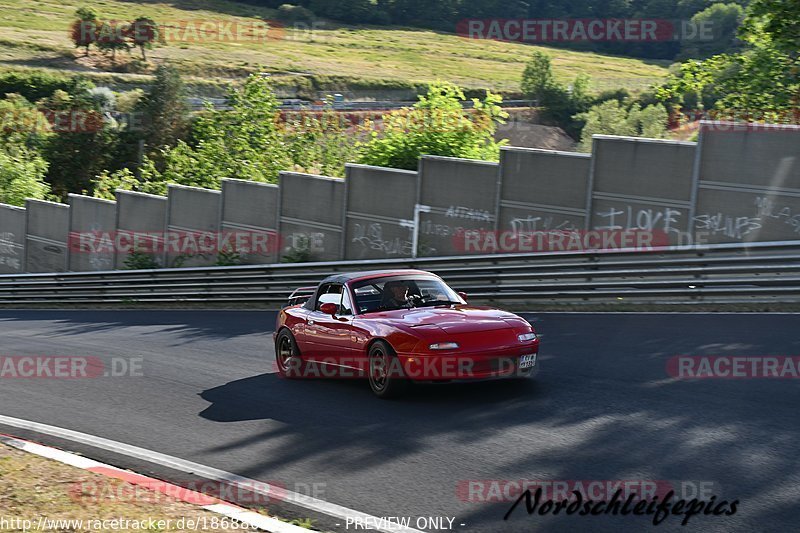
<point>398,290</point>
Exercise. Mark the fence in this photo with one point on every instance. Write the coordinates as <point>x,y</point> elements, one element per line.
<point>739,184</point>
<point>759,272</point>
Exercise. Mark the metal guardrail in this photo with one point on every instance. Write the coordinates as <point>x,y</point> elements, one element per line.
<point>720,273</point>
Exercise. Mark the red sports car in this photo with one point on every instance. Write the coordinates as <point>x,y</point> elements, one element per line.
<point>397,326</point>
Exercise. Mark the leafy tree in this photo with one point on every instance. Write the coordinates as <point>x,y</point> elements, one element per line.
<point>35,85</point>
<point>143,32</point>
<point>111,37</point>
<point>86,13</point>
<point>21,175</point>
<point>242,142</point>
<point>438,124</point>
<point>322,142</point>
<point>83,145</point>
<point>613,118</point>
<point>780,19</point>
<point>723,22</point>
<point>84,34</point>
<point>22,125</point>
<point>559,104</point>
<point>760,83</point>
<point>164,111</point>
<point>538,81</point>
<point>84,28</point>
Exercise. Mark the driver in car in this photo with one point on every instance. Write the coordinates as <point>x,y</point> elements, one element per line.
<point>395,296</point>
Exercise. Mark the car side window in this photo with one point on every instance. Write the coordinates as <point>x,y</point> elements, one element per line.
<point>347,306</point>
<point>330,293</point>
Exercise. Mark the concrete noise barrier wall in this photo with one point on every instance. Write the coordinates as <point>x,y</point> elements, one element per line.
<point>379,212</point>
<point>193,216</point>
<point>542,190</point>
<point>250,220</point>
<point>739,183</point>
<point>141,223</point>
<point>311,217</point>
<point>12,239</point>
<point>456,197</point>
<point>92,228</point>
<point>47,231</point>
<point>749,183</point>
<point>642,184</point>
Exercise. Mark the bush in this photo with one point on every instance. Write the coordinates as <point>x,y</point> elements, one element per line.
<point>35,85</point>
<point>613,118</point>
<point>138,260</point>
<point>292,14</point>
<point>437,125</point>
<point>22,176</point>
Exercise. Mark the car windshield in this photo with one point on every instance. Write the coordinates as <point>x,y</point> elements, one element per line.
<point>403,292</point>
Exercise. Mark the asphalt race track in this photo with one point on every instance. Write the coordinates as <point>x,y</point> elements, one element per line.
<point>602,408</point>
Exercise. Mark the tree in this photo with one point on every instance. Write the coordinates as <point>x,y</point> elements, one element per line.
<point>722,20</point>
<point>538,81</point>
<point>613,118</point>
<point>780,19</point>
<point>84,33</point>
<point>437,125</point>
<point>243,142</point>
<point>21,176</point>
<point>23,132</point>
<point>761,83</point>
<point>83,143</point>
<point>143,32</point>
<point>164,111</point>
<point>559,104</point>
<point>111,37</point>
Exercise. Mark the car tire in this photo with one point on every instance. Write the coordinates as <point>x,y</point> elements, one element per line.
<point>287,356</point>
<point>385,373</point>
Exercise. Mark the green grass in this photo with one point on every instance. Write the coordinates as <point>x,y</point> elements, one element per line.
<point>34,33</point>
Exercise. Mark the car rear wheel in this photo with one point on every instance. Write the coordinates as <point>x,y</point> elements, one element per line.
<point>386,378</point>
<point>287,356</point>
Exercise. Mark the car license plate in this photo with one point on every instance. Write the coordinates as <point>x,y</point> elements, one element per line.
<point>527,361</point>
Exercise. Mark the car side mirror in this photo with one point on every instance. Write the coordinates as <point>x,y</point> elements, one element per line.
<point>463,295</point>
<point>329,309</point>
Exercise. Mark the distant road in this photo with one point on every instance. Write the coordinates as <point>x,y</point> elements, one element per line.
<point>603,408</point>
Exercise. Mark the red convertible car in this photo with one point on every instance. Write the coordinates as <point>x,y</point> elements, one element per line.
<point>393,327</point>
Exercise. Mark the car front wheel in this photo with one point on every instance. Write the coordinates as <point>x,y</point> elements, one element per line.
<point>287,356</point>
<point>386,377</point>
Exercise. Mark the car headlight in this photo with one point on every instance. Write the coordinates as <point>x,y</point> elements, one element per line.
<point>444,346</point>
<point>527,337</point>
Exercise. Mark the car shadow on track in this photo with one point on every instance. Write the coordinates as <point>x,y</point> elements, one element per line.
<point>258,397</point>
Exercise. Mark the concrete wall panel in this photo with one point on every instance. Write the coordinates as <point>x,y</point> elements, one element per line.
<point>456,196</point>
<point>12,239</point>
<point>380,212</point>
<point>193,215</point>
<point>542,190</point>
<point>140,214</point>
<point>748,183</point>
<point>47,230</point>
<point>643,184</point>
<point>250,211</point>
<point>311,215</point>
<point>92,226</point>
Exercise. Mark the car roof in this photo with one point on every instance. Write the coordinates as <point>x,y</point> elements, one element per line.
<point>345,277</point>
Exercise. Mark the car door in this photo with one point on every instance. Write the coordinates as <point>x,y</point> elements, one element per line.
<point>328,338</point>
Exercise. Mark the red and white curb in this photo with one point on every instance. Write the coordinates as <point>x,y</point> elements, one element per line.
<point>204,501</point>
<point>207,472</point>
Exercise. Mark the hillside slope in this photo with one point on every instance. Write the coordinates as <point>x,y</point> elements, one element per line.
<point>35,33</point>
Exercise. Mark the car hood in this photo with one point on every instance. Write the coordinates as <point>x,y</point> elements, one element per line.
<point>455,319</point>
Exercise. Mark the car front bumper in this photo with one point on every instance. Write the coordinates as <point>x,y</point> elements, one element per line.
<point>459,366</point>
